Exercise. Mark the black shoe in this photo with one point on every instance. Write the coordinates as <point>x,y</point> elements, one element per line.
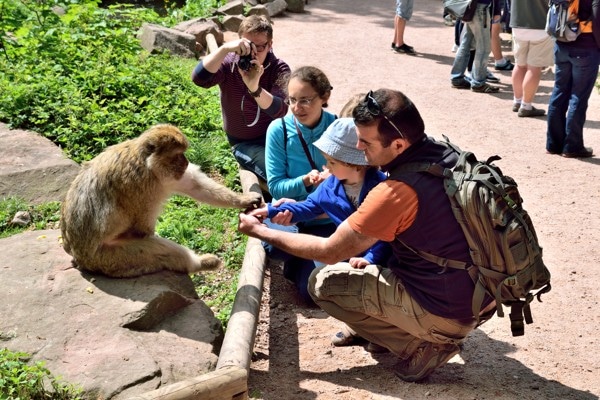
<point>534,112</point>
<point>586,152</point>
<point>461,84</point>
<point>507,66</point>
<point>405,49</point>
<point>485,88</point>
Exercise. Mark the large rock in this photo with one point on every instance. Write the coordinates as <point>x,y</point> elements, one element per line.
<point>155,38</point>
<point>200,27</point>
<point>115,337</point>
<point>32,167</point>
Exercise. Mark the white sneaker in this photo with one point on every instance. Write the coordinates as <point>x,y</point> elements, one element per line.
<point>454,48</point>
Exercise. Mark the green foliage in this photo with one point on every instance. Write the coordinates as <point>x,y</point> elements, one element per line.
<point>80,78</point>
<point>43,216</point>
<point>21,381</point>
<point>83,80</point>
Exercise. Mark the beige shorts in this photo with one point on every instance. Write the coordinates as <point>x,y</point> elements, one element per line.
<point>534,53</point>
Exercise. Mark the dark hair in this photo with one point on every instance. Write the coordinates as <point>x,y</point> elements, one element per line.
<point>399,109</point>
<point>256,24</point>
<point>315,78</point>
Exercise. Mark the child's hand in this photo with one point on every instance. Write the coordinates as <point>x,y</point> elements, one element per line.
<point>283,218</point>
<point>358,262</point>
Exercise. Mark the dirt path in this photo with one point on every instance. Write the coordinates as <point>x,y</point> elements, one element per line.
<point>558,356</point>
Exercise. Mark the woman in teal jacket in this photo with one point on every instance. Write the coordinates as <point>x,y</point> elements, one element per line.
<point>294,166</point>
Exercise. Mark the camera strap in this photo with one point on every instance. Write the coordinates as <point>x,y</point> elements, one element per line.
<point>255,118</point>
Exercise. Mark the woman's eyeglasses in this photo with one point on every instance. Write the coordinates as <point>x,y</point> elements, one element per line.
<point>305,102</point>
<point>375,110</point>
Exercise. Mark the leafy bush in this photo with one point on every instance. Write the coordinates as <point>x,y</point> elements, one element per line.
<point>43,216</point>
<point>83,81</point>
<point>20,381</point>
<point>80,78</point>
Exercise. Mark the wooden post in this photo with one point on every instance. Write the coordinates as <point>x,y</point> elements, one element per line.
<point>226,383</point>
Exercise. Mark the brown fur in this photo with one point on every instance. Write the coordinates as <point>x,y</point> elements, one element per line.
<point>109,215</point>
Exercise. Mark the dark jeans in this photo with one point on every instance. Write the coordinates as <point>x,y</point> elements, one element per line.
<point>576,71</point>
<point>251,156</point>
<point>298,269</point>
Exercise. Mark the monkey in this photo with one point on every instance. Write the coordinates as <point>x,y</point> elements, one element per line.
<point>109,214</point>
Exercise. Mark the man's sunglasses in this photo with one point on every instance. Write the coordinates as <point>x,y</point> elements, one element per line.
<point>375,110</point>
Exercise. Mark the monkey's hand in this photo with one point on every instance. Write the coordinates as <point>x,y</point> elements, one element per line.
<point>250,201</point>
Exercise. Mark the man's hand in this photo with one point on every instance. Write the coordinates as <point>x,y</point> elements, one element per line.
<point>248,224</point>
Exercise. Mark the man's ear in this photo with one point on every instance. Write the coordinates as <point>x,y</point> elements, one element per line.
<point>399,145</point>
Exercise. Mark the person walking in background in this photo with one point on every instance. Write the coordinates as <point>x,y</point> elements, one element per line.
<point>575,74</point>
<point>532,49</point>
<point>250,98</point>
<point>295,166</point>
<point>404,10</point>
<point>476,30</point>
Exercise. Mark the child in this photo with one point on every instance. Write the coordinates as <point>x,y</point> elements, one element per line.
<point>338,196</point>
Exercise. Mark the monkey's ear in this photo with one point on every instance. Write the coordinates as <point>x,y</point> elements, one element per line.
<point>150,148</point>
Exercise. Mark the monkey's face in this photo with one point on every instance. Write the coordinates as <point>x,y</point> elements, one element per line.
<point>164,146</point>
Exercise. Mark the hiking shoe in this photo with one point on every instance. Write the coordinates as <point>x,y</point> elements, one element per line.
<point>516,107</point>
<point>424,361</point>
<point>485,88</point>
<point>507,66</point>
<point>586,152</point>
<point>405,49</point>
<point>461,84</point>
<point>374,348</point>
<point>346,337</point>
<point>492,78</point>
<point>534,112</point>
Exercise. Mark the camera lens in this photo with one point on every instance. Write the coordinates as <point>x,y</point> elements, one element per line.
<point>245,62</point>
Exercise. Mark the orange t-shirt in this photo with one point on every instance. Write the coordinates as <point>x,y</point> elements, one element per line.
<point>389,209</point>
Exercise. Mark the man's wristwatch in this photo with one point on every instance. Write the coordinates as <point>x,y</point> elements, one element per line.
<point>256,93</point>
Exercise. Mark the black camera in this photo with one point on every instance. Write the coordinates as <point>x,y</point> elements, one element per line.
<point>245,62</point>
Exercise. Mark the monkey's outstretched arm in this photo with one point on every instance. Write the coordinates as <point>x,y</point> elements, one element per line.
<point>198,185</point>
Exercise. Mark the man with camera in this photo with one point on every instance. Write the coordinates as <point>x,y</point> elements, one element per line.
<point>249,77</point>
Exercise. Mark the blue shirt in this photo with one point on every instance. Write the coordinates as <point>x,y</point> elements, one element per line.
<point>330,198</point>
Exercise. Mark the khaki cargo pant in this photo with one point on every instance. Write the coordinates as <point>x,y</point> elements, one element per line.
<point>373,302</point>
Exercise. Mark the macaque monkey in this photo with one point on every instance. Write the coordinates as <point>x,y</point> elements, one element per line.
<point>109,215</point>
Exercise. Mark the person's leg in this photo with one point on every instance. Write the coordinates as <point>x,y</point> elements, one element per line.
<point>461,59</point>
<point>374,304</point>
<point>520,51</point>
<point>399,26</point>
<point>481,34</point>
<point>530,83</point>
<point>585,73</point>
<point>251,156</point>
<point>404,10</point>
<point>559,101</point>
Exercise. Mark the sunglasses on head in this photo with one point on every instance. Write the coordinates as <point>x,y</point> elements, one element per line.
<point>375,110</point>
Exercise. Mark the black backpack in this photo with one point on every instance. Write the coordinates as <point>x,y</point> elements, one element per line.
<point>506,256</point>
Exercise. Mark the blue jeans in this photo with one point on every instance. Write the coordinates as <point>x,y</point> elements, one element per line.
<point>298,269</point>
<point>576,71</point>
<point>251,156</point>
<point>477,30</point>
